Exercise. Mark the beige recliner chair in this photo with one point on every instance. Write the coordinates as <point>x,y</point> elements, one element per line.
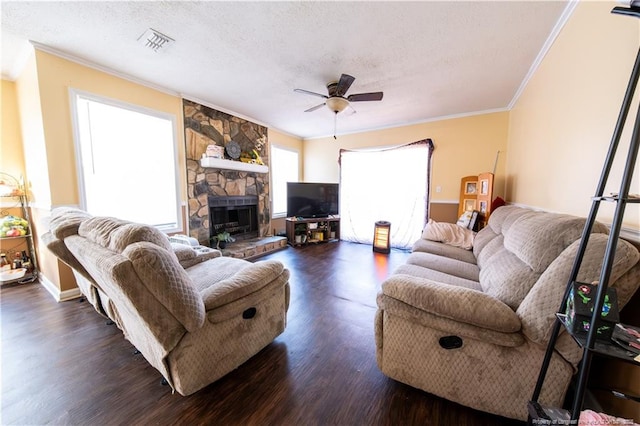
<point>192,324</point>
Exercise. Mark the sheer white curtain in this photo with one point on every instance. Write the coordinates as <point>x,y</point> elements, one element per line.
<point>390,184</point>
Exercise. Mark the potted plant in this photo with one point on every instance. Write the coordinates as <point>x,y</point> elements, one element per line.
<point>222,239</point>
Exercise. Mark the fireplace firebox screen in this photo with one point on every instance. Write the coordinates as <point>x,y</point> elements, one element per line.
<point>237,215</point>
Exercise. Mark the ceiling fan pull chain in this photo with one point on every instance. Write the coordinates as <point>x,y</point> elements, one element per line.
<point>335,124</point>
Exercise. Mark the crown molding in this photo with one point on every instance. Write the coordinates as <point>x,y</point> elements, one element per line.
<point>101,68</point>
<point>413,123</point>
<point>564,17</point>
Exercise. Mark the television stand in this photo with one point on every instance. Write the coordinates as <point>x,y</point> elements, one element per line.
<point>301,232</point>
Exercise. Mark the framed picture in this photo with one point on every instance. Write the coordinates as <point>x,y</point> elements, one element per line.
<point>484,186</point>
<point>483,207</point>
<point>469,204</point>
<point>471,188</point>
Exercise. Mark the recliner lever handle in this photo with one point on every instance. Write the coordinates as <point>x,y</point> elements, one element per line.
<point>450,342</point>
<point>249,313</point>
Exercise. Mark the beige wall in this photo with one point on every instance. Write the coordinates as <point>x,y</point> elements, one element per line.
<point>12,158</point>
<point>463,146</point>
<point>31,125</point>
<point>561,126</point>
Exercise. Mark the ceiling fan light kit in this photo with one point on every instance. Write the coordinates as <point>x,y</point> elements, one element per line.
<point>337,104</point>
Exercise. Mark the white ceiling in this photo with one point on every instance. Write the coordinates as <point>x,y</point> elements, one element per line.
<point>431,59</point>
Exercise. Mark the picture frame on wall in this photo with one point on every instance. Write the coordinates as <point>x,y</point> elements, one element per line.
<point>469,204</point>
<point>484,186</point>
<point>471,188</point>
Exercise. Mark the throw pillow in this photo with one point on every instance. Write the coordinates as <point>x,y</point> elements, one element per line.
<point>448,233</point>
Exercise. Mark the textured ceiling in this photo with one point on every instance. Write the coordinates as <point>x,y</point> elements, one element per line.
<point>431,59</point>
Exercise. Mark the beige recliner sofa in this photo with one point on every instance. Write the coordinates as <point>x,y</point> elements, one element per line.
<point>194,318</point>
<point>472,326</point>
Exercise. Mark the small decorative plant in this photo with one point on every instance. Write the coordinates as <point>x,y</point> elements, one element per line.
<point>222,239</point>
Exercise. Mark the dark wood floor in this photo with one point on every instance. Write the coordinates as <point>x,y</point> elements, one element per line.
<point>61,364</point>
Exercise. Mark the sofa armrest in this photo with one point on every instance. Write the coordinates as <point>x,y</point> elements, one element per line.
<point>246,281</point>
<point>457,303</point>
<point>189,256</point>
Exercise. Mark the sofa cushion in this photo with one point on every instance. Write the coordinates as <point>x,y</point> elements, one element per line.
<point>537,238</point>
<point>482,238</point>
<point>441,277</point>
<point>65,221</point>
<point>537,310</point>
<point>460,304</point>
<point>511,265</point>
<point>136,232</point>
<point>441,249</point>
<point>443,264</point>
<point>100,229</point>
<point>116,234</point>
<point>507,278</point>
<point>499,222</point>
<point>448,233</point>
<point>492,247</point>
<point>163,276</point>
<point>205,274</point>
<point>245,282</point>
<point>183,252</point>
<point>502,218</point>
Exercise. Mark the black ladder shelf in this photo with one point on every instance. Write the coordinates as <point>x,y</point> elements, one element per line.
<point>537,415</point>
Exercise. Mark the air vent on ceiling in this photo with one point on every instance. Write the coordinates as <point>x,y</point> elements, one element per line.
<point>155,40</point>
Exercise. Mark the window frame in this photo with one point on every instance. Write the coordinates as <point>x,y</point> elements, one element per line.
<point>274,214</point>
<point>75,95</point>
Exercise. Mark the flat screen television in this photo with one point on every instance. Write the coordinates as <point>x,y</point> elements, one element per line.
<point>312,199</point>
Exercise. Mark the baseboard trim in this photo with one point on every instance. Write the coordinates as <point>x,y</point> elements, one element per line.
<point>59,296</point>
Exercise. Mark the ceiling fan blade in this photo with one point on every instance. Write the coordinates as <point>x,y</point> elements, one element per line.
<point>310,93</point>
<point>358,97</point>
<point>343,85</point>
<point>314,108</point>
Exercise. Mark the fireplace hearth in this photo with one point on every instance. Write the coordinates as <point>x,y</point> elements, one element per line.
<point>237,215</point>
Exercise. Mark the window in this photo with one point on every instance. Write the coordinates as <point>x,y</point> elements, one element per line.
<point>385,185</point>
<point>284,168</point>
<point>126,158</point>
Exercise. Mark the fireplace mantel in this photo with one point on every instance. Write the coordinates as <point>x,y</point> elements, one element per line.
<point>221,163</point>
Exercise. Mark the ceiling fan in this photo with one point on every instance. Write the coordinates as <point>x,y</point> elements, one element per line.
<point>336,100</point>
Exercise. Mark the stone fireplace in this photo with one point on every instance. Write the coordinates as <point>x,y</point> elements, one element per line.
<point>206,126</point>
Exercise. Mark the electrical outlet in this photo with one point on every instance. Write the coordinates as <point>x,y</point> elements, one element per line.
<point>438,188</point>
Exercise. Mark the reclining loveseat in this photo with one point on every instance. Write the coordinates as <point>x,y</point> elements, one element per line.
<point>194,316</point>
<point>472,326</point>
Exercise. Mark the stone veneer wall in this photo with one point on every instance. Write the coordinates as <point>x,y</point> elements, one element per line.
<point>206,126</point>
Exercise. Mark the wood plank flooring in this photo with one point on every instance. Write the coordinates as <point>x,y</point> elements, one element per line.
<point>61,364</point>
